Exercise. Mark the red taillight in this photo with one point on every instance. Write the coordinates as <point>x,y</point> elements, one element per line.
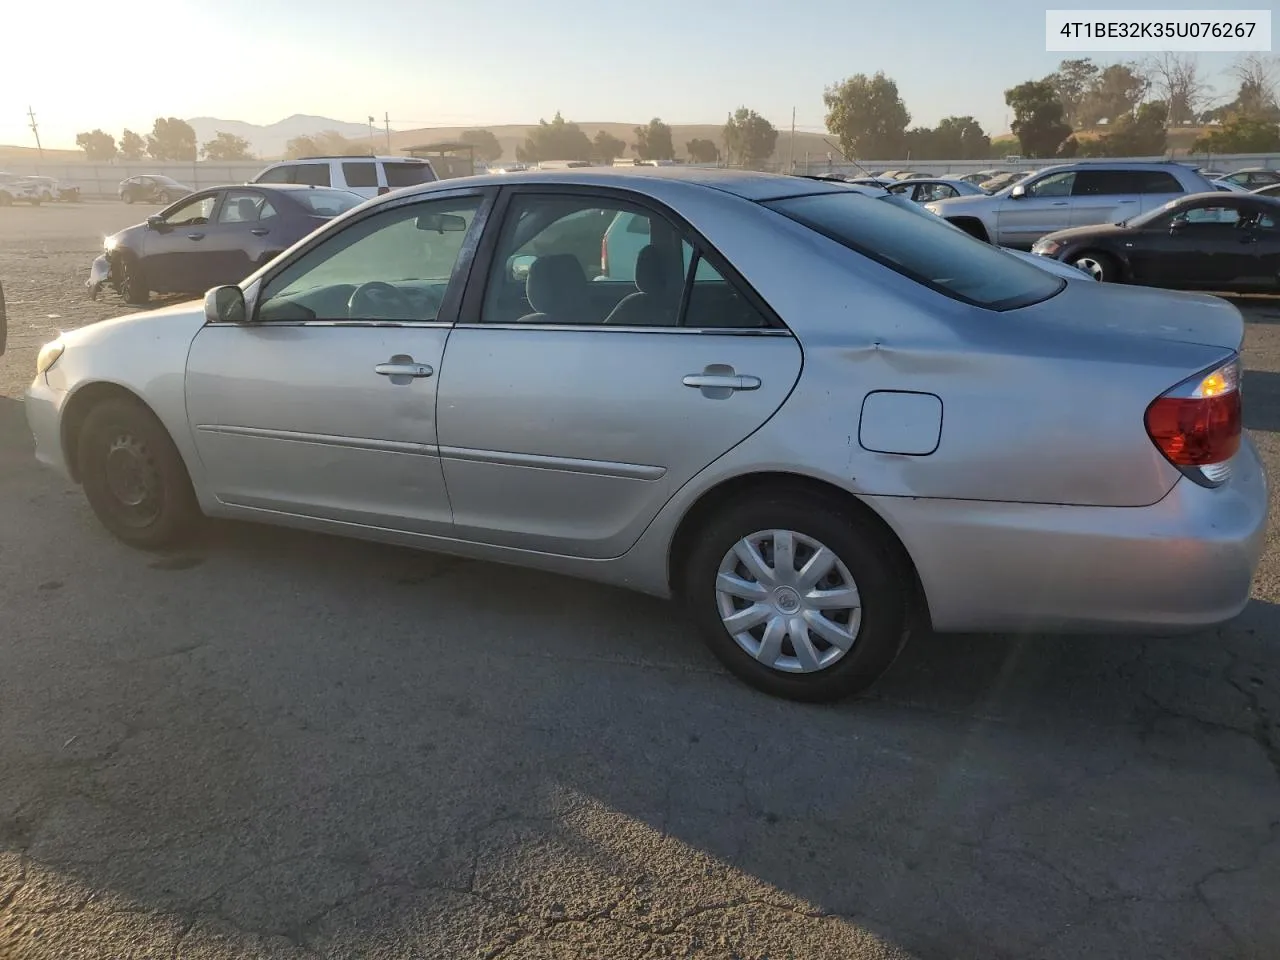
<point>604,255</point>
<point>1198,423</point>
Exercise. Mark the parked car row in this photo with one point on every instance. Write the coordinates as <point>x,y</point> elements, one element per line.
<point>34,190</point>
<point>871,400</point>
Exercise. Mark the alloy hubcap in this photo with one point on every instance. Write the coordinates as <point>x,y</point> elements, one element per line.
<point>788,601</point>
<point>1090,266</point>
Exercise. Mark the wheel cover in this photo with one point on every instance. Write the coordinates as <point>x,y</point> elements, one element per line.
<point>1090,265</point>
<point>788,601</point>
<point>133,481</point>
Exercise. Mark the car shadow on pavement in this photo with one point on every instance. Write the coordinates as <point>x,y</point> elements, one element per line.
<point>283,744</point>
<point>1262,400</point>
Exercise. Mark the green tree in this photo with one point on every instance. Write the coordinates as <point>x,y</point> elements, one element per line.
<point>653,141</point>
<point>607,147</point>
<point>486,145</point>
<point>954,138</point>
<point>1037,114</point>
<point>97,145</point>
<point>326,143</point>
<point>557,140</point>
<point>171,139</point>
<point>749,138</point>
<point>299,147</point>
<point>1138,134</point>
<point>1116,92</point>
<point>226,146</point>
<point>867,116</point>
<point>132,146</point>
<point>702,151</point>
<point>1073,82</point>
<point>1241,134</point>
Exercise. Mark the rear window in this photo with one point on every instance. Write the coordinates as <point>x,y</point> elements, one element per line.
<point>327,203</point>
<point>927,251</point>
<point>408,174</point>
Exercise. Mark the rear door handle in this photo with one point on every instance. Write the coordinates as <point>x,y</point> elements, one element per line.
<point>195,236</point>
<point>259,231</point>
<point>403,369</point>
<point>718,381</point>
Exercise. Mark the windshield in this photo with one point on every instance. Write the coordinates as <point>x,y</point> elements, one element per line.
<point>1152,215</point>
<point>327,203</point>
<point>917,244</point>
<point>167,180</point>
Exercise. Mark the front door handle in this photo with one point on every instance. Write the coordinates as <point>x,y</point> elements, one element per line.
<point>1059,203</point>
<point>718,381</point>
<point>259,231</point>
<point>1127,201</point>
<point>195,236</point>
<point>403,367</point>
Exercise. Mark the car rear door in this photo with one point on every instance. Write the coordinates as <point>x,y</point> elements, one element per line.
<point>324,405</point>
<point>567,430</point>
<point>1264,246</point>
<point>1105,196</point>
<point>1043,208</point>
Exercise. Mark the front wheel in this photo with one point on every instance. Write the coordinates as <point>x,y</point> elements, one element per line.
<point>130,282</point>
<point>162,198</point>
<point>134,477</point>
<point>127,196</point>
<point>1098,265</point>
<point>799,597</point>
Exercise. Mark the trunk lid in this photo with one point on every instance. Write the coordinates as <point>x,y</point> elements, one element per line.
<point>1144,312</point>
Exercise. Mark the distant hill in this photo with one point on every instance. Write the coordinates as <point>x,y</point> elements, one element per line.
<point>270,140</point>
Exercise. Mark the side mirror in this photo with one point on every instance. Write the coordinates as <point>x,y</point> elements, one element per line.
<point>155,222</point>
<point>441,222</point>
<point>224,305</point>
<point>1018,192</point>
<point>1176,224</point>
<point>518,267</point>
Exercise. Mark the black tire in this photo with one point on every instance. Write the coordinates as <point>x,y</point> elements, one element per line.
<point>127,196</point>
<point>132,283</point>
<point>1102,266</point>
<point>119,435</point>
<point>884,583</point>
<point>973,228</point>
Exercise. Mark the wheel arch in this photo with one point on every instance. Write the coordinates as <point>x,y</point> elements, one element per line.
<point>972,226</point>
<point>77,409</point>
<point>1101,252</point>
<point>754,484</point>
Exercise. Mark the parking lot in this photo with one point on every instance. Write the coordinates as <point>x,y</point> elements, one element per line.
<point>283,745</point>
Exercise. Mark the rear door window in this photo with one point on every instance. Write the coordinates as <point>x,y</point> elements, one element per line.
<point>313,174</point>
<point>407,174</point>
<point>276,175</point>
<point>1099,183</point>
<point>1158,181</point>
<point>930,252</point>
<point>360,174</point>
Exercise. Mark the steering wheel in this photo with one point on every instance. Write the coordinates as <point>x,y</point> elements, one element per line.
<point>376,300</point>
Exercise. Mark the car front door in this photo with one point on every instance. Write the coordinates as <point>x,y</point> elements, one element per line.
<point>566,429</point>
<point>173,245</point>
<point>1043,206</point>
<point>1105,196</point>
<point>323,405</point>
<point>1207,247</point>
<point>1262,236</point>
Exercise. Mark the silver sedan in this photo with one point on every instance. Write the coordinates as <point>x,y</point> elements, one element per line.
<point>815,418</point>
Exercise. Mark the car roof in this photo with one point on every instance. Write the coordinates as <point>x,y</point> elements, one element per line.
<point>1218,196</point>
<point>352,156</point>
<point>746,184</point>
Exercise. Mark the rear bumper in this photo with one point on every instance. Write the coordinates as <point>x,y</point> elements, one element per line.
<point>43,405</point>
<point>1182,564</point>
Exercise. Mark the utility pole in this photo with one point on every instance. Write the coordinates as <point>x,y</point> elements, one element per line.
<point>372,151</point>
<point>386,118</point>
<point>793,141</point>
<point>35,128</point>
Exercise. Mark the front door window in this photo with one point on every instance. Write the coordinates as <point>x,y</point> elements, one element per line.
<point>193,213</point>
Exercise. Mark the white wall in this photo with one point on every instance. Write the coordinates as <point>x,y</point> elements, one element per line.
<point>103,179</point>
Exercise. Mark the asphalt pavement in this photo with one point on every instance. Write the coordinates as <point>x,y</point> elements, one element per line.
<point>275,744</point>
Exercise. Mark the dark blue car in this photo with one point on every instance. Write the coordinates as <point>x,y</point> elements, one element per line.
<point>212,237</point>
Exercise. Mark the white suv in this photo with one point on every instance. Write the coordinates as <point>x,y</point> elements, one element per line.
<point>366,176</point>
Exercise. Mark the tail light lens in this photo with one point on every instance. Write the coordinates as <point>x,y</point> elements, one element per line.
<point>1198,423</point>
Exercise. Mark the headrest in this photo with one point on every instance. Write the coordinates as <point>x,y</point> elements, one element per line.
<point>555,284</point>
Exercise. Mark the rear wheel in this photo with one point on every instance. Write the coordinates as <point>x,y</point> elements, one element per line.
<point>972,227</point>
<point>163,198</point>
<point>127,196</point>
<point>1098,265</point>
<point>134,477</point>
<point>800,598</point>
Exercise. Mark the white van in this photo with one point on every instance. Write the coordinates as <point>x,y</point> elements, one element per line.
<point>366,176</point>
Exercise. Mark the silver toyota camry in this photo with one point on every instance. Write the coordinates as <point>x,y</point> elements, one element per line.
<point>814,418</point>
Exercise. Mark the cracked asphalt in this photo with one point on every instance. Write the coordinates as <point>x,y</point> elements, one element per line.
<point>276,745</point>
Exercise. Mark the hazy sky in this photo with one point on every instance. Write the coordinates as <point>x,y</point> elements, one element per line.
<point>435,63</point>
